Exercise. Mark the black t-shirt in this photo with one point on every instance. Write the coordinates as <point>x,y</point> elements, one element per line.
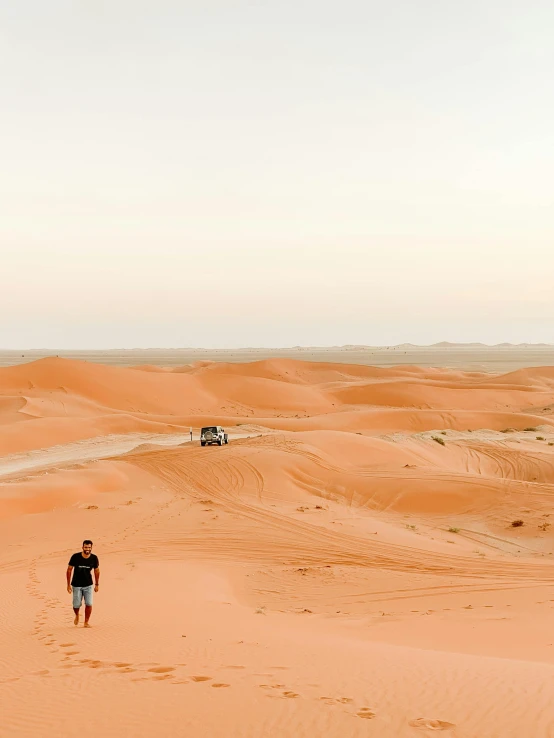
<point>82,569</point>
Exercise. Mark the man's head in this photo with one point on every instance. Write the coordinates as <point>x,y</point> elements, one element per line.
<point>87,547</point>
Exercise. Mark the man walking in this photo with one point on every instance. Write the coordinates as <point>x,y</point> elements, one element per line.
<point>82,564</point>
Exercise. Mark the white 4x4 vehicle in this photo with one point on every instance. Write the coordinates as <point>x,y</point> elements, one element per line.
<point>213,434</point>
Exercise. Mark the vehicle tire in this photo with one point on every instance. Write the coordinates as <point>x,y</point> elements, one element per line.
<point>219,442</point>
<point>202,443</point>
<point>226,439</point>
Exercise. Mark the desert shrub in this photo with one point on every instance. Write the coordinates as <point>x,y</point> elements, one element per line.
<point>517,523</point>
<point>529,430</point>
<point>541,438</point>
<point>550,443</point>
<point>439,440</point>
<point>508,430</point>
<point>453,530</point>
<point>443,433</point>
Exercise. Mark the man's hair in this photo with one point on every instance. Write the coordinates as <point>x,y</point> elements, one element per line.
<point>87,543</point>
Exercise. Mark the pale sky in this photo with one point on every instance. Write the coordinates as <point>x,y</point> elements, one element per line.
<point>290,172</point>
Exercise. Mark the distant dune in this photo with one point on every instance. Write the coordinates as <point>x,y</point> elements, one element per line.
<point>53,401</point>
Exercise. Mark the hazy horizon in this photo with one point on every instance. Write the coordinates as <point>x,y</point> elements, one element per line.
<point>339,347</point>
<point>290,174</point>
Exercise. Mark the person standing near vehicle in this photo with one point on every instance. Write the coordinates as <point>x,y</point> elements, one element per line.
<point>82,565</point>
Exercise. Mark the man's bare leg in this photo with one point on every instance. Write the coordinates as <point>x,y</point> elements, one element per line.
<point>76,610</point>
<point>88,612</point>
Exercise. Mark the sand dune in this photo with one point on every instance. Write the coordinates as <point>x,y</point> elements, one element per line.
<point>346,566</point>
<point>106,399</point>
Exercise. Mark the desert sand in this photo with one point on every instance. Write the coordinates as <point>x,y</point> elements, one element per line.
<point>346,566</point>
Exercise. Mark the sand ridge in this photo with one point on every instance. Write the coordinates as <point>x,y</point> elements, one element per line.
<point>347,565</point>
<point>70,400</point>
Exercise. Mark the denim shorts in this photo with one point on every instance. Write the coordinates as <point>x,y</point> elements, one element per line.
<point>80,592</point>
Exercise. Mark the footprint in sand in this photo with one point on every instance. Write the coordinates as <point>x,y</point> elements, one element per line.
<point>201,678</point>
<point>271,686</point>
<point>337,701</point>
<point>219,684</point>
<point>429,724</point>
<point>365,712</point>
<point>290,695</point>
<point>162,669</point>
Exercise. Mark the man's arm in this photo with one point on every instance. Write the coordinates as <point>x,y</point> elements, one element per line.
<point>96,578</point>
<point>68,576</point>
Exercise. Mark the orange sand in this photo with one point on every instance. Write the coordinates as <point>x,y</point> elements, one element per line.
<point>334,571</point>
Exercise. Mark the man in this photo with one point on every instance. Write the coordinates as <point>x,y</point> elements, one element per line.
<point>82,564</point>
